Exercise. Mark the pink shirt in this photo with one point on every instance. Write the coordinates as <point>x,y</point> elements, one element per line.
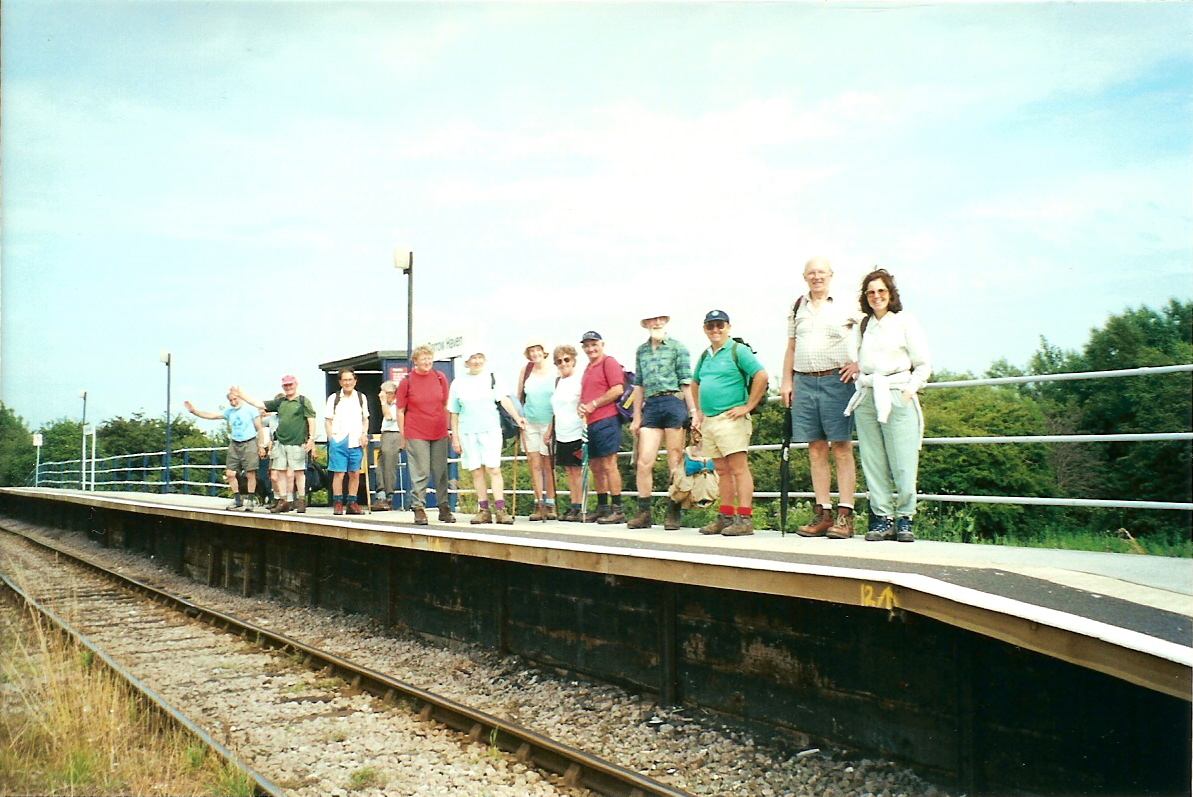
<point>424,398</point>
<point>597,379</point>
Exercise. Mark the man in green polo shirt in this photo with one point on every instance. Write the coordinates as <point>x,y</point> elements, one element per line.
<point>727,383</point>
<point>295,441</point>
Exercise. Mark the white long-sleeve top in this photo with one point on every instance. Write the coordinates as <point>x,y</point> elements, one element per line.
<point>894,344</point>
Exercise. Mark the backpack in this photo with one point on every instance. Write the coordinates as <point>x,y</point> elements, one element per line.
<point>336,403</point>
<point>625,402</point>
<point>744,376</point>
<point>509,427</point>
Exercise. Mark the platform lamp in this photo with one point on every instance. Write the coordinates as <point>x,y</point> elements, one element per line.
<point>404,261</point>
<point>83,454</point>
<point>165,357</point>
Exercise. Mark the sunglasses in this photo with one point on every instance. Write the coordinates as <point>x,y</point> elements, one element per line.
<point>563,360</point>
<point>715,325</point>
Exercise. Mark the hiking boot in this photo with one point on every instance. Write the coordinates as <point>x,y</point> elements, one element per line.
<point>551,512</point>
<point>821,523</point>
<point>742,526</point>
<point>300,506</point>
<point>615,515</point>
<point>281,506</point>
<point>719,524</point>
<point>571,516</point>
<point>596,515</point>
<point>420,517</point>
<point>671,520</point>
<point>540,511</point>
<point>236,502</point>
<point>641,520</point>
<point>503,517</point>
<point>337,508</point>
<point>903,532</point>
<point>482,516</point>
<point>445,514</point>
<point>379,506</point>
<point>880,529</point>
<point>353,508</point>
<point>843,526</point>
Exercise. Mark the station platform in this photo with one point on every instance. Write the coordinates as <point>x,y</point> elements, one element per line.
<point>1126,615</point>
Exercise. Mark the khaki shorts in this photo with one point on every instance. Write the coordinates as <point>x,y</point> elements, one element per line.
<point>287,457</point>
<point>534,438</point>
<point>722,436</point>
<point>242,455</point>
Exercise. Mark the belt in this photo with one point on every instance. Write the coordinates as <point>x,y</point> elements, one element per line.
<point>829,372</point>
<point>663,393</point>
<point>390,431</point>
<point>245,440</point>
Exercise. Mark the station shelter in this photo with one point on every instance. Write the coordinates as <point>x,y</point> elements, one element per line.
<point>371,370</point>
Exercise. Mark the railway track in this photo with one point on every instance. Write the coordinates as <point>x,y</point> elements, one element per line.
<point>240,680</point>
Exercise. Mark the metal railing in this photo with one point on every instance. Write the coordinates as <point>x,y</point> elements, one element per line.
<point>144,471</point>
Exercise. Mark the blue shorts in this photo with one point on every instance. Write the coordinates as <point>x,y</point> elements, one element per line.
<point>604,437</point>
<point>664,412</point>
<point>818,409</point>
<point>341,458</point>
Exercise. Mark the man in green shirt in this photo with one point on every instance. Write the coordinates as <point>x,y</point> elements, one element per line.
<point>727,384</point>
<point>295,441</point>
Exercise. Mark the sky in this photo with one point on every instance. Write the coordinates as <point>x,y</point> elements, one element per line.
<point>228,180</point>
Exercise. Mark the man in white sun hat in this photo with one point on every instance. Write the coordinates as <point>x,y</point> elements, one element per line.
<point>662,406</point>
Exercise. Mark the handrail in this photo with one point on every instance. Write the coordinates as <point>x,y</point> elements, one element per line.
<point>50,479</point>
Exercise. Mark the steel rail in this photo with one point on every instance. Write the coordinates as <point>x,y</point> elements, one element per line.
<point>577,767</point>
<point>261,784</point>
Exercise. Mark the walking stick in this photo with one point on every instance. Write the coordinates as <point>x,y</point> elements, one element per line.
<point>514,465</point>
<point>368,491</point>
<point>784,472</point>
<point>584,474</point>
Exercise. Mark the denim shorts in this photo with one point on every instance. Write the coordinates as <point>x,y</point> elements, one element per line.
<point>818,409</point>
<point>664,412</point>
<point>341,458</point>
<point>604,437</point>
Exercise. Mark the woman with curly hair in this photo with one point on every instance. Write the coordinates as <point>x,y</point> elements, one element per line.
<point>893,364</point>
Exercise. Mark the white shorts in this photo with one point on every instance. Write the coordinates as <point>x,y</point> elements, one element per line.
<point>534,438</point>
<point>481,450</point>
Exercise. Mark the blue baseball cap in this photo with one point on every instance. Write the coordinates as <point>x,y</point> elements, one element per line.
<point>590,335</point>
<point>716,315</point>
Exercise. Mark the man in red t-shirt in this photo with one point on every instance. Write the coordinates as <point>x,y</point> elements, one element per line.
<point>600,387</point>
<point>422,419</point>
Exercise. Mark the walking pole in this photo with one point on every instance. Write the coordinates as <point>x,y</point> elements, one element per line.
<point>784,472</point>
<point>368,490</point>
<point>584,474</point>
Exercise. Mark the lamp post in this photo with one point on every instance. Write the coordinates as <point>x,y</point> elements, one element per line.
<point>404,262</point>
<point>83,451</point>
<point>164,356</point>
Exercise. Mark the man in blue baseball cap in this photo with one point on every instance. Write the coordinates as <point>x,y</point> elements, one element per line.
<point>727,383</point>
<point>601,386</point>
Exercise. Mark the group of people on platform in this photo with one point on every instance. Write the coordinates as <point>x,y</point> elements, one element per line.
<point>846,364</point>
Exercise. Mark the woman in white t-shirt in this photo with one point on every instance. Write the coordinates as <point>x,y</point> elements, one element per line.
<point>569,426</point>
<point>536,384</point>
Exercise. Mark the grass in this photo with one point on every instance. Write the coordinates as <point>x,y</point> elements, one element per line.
<point>69,728</point>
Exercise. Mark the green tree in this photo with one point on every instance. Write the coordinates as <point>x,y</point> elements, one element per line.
<point>1157,471</point>
<point>138,434</point>
<point>17,456</point>
<point>983,469</point>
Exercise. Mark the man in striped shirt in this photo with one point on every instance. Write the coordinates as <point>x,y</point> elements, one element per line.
<point>817,384</point>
